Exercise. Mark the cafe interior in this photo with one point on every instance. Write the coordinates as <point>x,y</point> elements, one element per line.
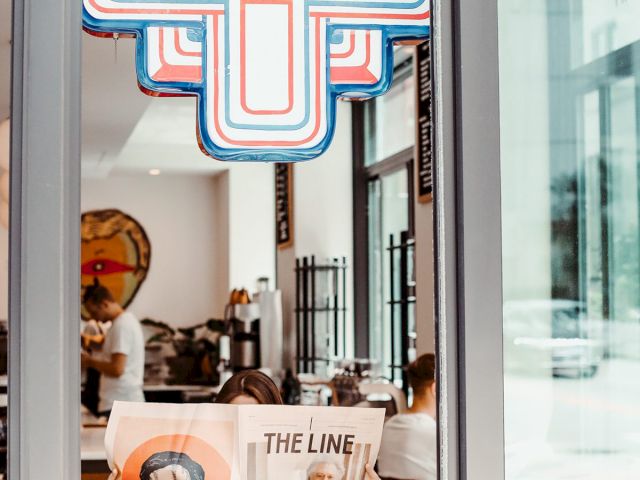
<point>320,273</point>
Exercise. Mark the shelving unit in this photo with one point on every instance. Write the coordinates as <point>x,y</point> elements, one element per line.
<point>320,313</point>
<point>402,299</point>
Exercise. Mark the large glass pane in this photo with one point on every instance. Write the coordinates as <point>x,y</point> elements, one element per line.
<point>390,120</point>
<point>569,104</point>
<point>605,26</point>
<point>376,259</point>
<point>388,215</point>
<point>623,227</point>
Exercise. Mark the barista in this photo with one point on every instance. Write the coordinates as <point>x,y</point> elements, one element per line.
<point>121,361</point>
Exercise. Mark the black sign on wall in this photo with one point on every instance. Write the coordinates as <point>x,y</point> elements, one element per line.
<point>423,125</point>
<point>284,205</point>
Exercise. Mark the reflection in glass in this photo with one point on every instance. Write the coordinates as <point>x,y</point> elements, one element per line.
<point>388,215</point>
<point>390,119</point>
<point>571,238</point>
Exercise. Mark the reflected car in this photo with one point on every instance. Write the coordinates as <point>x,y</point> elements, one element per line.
<point>556,336</point>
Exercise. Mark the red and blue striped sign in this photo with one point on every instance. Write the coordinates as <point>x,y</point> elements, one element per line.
<point>267,72</point>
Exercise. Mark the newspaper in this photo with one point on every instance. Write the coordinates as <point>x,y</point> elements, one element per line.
<point>155,441</point>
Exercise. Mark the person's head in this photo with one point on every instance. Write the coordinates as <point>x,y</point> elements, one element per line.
<point>325,469</point>
<point>171,466</point>
<point>99,302</point>
<point>250,387</point>
<point>422,376</point>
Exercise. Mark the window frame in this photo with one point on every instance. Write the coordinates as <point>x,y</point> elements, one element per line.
<point>468,243</point>
<point>44,241</point>
<point>363,174</point>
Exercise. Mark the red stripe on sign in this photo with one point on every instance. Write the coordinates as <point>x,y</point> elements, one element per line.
<point>179,49</point>
<point>352,48</point>
<point>151,10</point>
<point>175,73</point>
<point>356,74</point>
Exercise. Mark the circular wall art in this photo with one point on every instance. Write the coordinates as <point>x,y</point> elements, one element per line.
<point>116,252</point>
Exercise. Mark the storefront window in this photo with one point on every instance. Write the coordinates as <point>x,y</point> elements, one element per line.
<point>388,217</point>
<point>571,237</point>
<point>386,156</point>
<point>390,119</point>
<point>604,27</point>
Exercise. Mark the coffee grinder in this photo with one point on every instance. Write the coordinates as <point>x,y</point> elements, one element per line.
<point>245,337</point>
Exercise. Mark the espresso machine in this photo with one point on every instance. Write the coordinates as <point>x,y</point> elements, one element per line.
<point>245,336</point>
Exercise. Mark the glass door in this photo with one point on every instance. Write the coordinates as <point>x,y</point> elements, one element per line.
<point>610,233</point>
<point>623,229</point>
<point>570,134</point>
<point>388,216</point>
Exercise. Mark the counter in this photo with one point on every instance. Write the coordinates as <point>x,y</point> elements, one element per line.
<point>92,444</point>
<point>180,393</point>
<point>93,456</point>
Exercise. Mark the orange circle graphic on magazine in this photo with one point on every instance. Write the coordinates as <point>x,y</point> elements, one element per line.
<point>182,457</point>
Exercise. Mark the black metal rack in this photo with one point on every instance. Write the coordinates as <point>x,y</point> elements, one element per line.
<point>402,299</point>
<point>320,312</point>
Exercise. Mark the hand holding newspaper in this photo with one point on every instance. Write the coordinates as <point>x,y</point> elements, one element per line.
<point>146,441</point>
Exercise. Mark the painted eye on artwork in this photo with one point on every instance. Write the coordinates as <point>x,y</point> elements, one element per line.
<point>104,266</point>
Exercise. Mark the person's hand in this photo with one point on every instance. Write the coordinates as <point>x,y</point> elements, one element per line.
<point>85,360</point>
<point>371,474</point>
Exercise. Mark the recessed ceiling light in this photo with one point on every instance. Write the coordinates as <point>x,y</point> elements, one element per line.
<point>154,171</point>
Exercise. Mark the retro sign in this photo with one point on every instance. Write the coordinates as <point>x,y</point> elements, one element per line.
<point>115,252</point>
<point>267,73</point>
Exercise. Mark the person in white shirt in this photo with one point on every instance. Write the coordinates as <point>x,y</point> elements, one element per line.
<point>121,361</point>
<point>409,440</point>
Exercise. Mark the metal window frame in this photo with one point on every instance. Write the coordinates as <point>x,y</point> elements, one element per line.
<point>467,248</point>
<point>44,241</point>
<point>44,396</point>
<point>362,175</point>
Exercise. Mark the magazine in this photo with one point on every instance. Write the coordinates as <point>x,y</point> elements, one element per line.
<point>159,441</point>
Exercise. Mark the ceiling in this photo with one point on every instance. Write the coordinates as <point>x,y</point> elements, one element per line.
<point>123,130</point>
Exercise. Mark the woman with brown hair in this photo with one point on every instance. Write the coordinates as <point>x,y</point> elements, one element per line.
<point>250,387</point>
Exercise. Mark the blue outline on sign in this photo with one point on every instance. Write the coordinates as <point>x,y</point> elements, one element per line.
<point>390,34</point>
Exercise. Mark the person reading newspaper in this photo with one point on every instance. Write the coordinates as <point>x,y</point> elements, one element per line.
<point>246,435</point>
<point>249,387</point>
<point>252,387</point>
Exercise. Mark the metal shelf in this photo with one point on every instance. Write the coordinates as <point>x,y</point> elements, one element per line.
<point>312,320</point>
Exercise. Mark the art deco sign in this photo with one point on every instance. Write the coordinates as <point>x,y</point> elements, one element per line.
<point>267,73</point>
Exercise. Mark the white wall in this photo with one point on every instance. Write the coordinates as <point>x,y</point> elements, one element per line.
<point>221,253</point>
<point>179,216</point>
<point>323,224</point>
<point>526,245</point>
<point>323,196</point>
<point>251,224</point>
<point>208,235</point>
<point>425,279</point>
